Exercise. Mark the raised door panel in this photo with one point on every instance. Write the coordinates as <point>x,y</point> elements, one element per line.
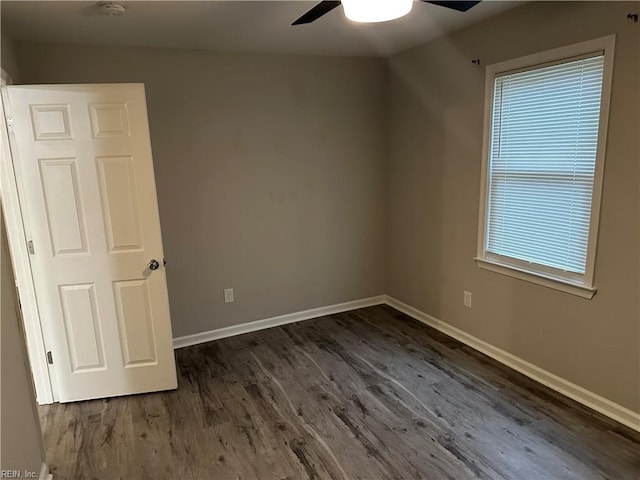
<point>120,203</point>
<point>51,122</point>
<point>109,119</point>
<point>82,327</point>
<point>63,206</point>
<point>135,323</point>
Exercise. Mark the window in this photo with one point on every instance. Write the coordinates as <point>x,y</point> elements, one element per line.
<point>545,133</point>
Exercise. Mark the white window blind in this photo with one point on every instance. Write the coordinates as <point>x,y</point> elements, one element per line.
<point>542,162</point>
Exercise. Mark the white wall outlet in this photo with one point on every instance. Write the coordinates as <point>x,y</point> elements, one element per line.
<point>228,295</point>
<point>467,299</point>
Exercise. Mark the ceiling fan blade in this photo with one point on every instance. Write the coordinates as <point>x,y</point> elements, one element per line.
<point>455,5</point>
<point>316,12</point>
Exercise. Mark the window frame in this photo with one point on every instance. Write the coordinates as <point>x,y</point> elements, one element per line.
<point>576,284</point>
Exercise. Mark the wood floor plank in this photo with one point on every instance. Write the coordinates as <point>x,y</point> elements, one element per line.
<point>369,394</point>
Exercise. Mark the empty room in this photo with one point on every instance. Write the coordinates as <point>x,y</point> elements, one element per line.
<point>357,239</point>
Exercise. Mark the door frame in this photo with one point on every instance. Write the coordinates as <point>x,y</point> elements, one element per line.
<point>16,218</point>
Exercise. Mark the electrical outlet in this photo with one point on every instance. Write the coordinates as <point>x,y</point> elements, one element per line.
<point>228,295</point>
<point>467,299</point>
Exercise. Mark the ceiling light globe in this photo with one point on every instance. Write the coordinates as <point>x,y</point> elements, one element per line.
<point>371,11</point>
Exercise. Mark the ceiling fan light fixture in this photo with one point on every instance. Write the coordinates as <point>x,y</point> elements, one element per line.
<point>371,11</point>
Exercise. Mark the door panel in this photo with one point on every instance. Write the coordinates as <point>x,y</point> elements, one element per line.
<point>109,120</point>
<point>82,326</point>
<point>119,198</point>
<point>135,320</point>
<point>50,122</point>
<point>84,158</point>
<point>62,202</point>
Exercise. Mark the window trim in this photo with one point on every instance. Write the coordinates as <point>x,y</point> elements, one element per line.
<point>583,285</point>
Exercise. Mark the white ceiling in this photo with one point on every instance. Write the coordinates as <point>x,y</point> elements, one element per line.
<point>241,25</point>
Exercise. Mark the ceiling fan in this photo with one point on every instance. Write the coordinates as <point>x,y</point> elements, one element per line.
<point>375,10</point>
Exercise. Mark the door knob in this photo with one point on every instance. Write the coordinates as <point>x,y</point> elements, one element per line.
<point>153,264</point>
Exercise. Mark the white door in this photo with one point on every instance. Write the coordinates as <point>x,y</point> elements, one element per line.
<point>83,161</point>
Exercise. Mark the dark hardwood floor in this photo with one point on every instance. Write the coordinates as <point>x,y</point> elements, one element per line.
<point>370,394</point>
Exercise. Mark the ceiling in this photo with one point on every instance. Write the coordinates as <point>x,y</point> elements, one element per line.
<point>241,25</point>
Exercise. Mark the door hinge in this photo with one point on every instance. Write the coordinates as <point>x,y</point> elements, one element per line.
<point>32,250</point>
<point>10,125</point>
<point>49,358</point>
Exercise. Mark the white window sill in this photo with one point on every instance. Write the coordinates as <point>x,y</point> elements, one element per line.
<point>537,278</point>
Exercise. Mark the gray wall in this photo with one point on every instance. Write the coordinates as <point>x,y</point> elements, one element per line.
<point>8,57</point>
<point>436,116</point>
<point>270,173</point>
<point>21,446</point>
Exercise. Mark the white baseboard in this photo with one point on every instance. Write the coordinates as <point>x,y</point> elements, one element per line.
<point>44,473</point>
<point>592,400</point>
<point>180,342</point>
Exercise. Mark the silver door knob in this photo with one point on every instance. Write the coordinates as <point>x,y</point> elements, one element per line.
<point>153,264</point>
